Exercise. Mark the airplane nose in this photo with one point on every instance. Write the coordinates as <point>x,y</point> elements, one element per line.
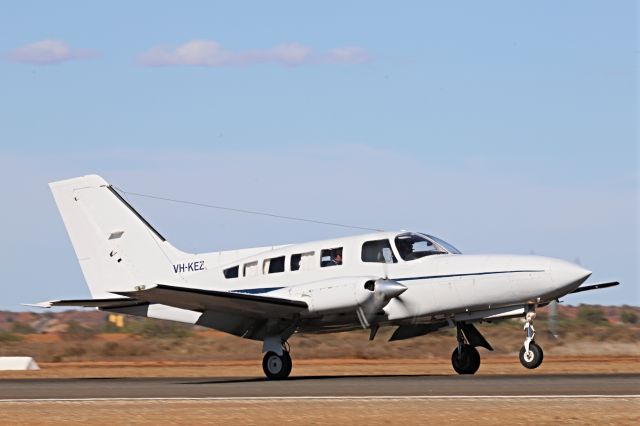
<point>568,275</point>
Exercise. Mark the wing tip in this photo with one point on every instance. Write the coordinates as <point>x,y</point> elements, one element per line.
<point>47,304</point>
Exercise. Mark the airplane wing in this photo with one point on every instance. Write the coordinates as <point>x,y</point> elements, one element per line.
<point>197,299</point>
<point>595,286</point>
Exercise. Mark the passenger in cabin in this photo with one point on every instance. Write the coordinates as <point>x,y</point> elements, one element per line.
<point>337,259</point>
<point>331,257</point>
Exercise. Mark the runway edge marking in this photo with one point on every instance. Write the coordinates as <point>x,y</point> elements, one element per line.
<point>318,398</point>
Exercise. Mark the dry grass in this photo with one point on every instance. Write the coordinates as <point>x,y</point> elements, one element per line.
<point>207,345</point>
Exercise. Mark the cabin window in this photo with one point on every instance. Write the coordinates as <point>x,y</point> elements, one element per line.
<point>231,272</point>
<point>302,261</point>
<point>250,269</point>
<point>273,265</point>
<point>378,251</point>
<point>331,257</point>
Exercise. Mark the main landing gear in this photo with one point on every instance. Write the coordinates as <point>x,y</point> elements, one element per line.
<point>531,354</point>
<point>465,358</point>
<point>277,367</point>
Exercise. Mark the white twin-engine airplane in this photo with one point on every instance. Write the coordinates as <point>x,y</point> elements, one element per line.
<point>413,281</point>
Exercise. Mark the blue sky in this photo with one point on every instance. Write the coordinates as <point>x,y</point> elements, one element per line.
<point>501,126</point>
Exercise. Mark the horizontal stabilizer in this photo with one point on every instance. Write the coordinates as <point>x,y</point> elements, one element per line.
<point>595,286</point>
<point>119,302</point>
<point>197,299</point>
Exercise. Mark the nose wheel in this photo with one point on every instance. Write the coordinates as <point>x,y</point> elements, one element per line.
<point>531,354</point>
<point>531,358</point>
<point>277,367</point>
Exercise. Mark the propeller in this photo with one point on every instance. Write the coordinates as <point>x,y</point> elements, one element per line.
<point>553,311</point>
<point>382,291</point>
<point>553,315</point>
<point>385,270</point>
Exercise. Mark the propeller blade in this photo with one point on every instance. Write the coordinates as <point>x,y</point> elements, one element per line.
<point>553,315</point>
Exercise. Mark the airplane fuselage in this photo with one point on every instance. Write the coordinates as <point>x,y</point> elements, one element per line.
<point>438,285</point>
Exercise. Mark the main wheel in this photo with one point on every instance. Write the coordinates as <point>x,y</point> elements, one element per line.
<point>288,362</point>
<point>467,362</point>
<point>533,358</point>
<point>277,367</point>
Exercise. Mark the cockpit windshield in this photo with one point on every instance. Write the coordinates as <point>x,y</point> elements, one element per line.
<point>412,246</point>
<point>445,245</point>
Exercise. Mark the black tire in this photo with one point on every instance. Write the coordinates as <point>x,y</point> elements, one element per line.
<point>276,367</point>
<point>534,358</point>
<point>467,362</point>
<point>288,361</point>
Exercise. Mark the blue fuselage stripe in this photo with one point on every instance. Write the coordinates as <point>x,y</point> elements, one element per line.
<point>431,277</point>
<point>257,290</point>
<point>262,290</point>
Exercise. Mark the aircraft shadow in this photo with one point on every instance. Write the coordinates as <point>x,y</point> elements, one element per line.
<point>223,380</point>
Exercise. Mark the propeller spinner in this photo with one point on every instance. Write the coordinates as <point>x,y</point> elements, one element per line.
<point>382,291</point>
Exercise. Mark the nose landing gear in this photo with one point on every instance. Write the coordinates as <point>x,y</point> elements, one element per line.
<point>531,354</point>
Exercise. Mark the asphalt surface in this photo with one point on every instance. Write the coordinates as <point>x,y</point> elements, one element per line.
<point>337,386</point>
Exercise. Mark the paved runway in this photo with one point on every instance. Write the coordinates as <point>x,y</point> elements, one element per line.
<point>337,386</point>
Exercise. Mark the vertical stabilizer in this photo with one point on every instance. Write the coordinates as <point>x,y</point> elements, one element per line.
<point>117,248</point>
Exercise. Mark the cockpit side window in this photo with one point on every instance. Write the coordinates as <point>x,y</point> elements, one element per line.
<point>413,246</point>
<point>378,251</point>
<point>331,257</point>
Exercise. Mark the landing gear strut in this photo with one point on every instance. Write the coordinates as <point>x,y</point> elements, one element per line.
<point>465,358</point>
<point>277,367</point>
<point>531,354</point>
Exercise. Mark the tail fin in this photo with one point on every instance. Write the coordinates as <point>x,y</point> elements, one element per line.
<point>116,247</point>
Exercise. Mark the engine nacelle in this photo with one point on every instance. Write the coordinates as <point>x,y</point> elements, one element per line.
<point>347,294</point>
<point>334,294</point>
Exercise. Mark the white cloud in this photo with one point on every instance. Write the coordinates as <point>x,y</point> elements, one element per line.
<point>48,52</point>
<point>209,53</point>
<point>196,52</point>
<point>289,54</point>
<point>348,55</point>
